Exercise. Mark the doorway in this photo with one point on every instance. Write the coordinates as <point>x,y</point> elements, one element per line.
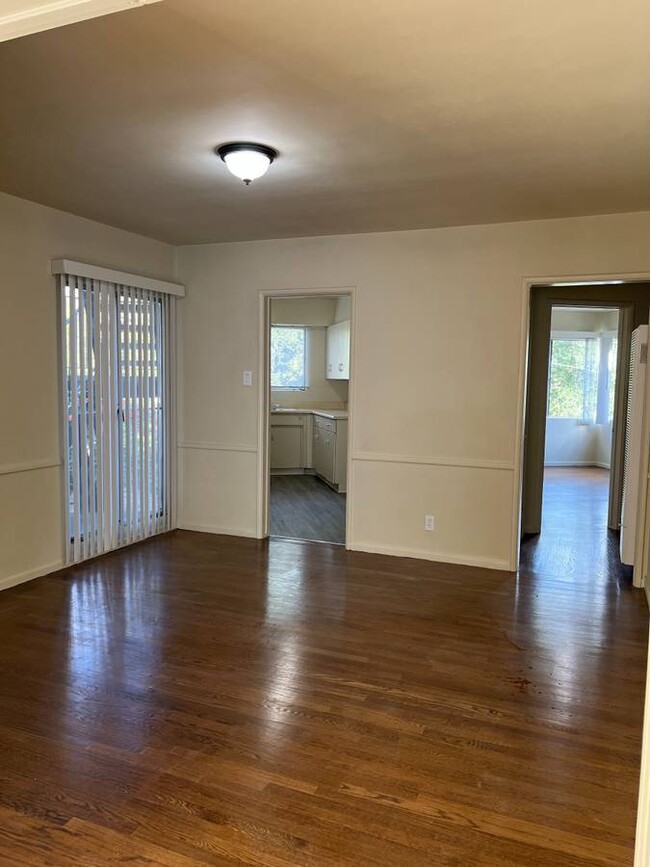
<point>575,425</point>
<point>307,383</point>
<point>577,479</point>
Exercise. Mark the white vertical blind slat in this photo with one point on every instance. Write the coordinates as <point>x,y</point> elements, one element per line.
<point>73,451</point>
<point>116,387</point>
<point>148,515</point>
<point>101,430</point>
<point>141,413</point>
<point>157,417</point>
<point>168,432</point>
<point>92,441</point>
<point>64,300</point>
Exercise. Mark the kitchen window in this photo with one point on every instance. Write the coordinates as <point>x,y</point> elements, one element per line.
<point>288,358</point>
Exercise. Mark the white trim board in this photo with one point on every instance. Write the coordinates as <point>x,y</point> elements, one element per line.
<point>218,447</point>
<point>34,17</point>
<point>601,464</point>
<point>218,531</point>
<point>30,575</point>
<point>434,461</point>
<point>108,275</point>
<point>434,556</point>
<point>29,466</point>
<point>642,847</point>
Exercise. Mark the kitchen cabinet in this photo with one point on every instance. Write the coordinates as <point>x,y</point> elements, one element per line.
<point>286,447</point>
<point>290,441</point>
<point>337,356</point>
<point>330,450</point>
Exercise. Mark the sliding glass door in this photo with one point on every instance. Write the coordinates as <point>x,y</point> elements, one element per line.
<point>117,397</point>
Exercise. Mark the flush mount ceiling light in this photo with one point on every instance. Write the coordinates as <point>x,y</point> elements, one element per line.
<point>245,160</point>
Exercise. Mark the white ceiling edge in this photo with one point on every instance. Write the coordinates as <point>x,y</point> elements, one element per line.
<point>28,17</point>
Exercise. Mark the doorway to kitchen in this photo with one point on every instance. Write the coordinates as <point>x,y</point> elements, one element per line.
<point>307,382</point>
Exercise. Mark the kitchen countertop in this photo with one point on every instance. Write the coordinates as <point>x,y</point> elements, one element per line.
<point>335,414</point>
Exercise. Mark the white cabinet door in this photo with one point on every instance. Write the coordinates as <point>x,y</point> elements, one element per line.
<point>286,447</point>
<point>337,364</point>
<point>323,453</point>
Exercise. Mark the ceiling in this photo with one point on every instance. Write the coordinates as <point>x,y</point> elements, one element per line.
<point>387,115</point>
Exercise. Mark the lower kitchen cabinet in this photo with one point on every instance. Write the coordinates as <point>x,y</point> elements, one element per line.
<point>330,450</point>
<point>290,441</point>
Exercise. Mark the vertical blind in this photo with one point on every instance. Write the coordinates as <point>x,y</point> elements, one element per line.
<point>117,389</point>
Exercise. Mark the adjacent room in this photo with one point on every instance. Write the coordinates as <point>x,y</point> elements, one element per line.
<point>578,444</point>
<point>309,340</point>
<point>325,433</point>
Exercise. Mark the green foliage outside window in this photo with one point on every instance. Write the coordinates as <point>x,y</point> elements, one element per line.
<point>573,382</point>
<point>288,357</point>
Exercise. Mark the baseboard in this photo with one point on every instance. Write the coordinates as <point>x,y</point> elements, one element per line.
<point>435,556</point>
<point>30,575</point>
<point>571,464</point>
<point>602,465</point>
<point>219,531</point>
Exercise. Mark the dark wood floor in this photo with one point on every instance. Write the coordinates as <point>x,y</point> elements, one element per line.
<point>304,507</point>
<point>575,540</point>
<point>199,699</point>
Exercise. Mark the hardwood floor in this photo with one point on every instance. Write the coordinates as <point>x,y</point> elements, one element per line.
<point>304,507</point>
<point>574,538</point>
<point>199,699</point>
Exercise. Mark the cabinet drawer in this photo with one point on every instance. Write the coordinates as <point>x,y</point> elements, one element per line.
<point>324,423</point>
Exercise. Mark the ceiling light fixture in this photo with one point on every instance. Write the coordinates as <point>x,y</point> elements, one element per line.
<point>245,160</point>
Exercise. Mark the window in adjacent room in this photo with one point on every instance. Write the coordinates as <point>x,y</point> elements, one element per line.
<point>573,380</point>
<point>288,358</point>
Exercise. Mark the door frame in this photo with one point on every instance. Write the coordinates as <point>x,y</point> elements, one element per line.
<point>528,284</point>
<point>543,301</point>
<point>265,296</point>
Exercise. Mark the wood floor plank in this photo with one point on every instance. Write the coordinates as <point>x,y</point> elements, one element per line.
<point>208,700</point>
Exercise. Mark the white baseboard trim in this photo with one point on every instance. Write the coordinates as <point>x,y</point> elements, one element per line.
<point>601,464</point>
<point>435,556</point>
<point>23,577</point>
<point>569,464</point>
<point>219,531</point>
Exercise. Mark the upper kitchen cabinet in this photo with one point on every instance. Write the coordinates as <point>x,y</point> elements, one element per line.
<point>337,359</point>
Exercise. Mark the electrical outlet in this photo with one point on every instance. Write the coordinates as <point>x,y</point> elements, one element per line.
<point>247,377</point>
<point>429,523</point>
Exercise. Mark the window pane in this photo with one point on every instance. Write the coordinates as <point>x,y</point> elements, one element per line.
<point>611,367</point>
<point>287,357</point>
<point>573,385</point>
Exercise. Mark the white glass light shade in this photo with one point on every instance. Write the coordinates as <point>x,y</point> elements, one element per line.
<point>247,165</point>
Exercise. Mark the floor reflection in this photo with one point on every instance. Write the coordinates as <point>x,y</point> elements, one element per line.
<point>115,634</point>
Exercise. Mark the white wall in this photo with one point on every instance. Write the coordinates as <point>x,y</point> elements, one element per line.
<point>317,313</point>
<point>438,330</point>
<point>31,540</point>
